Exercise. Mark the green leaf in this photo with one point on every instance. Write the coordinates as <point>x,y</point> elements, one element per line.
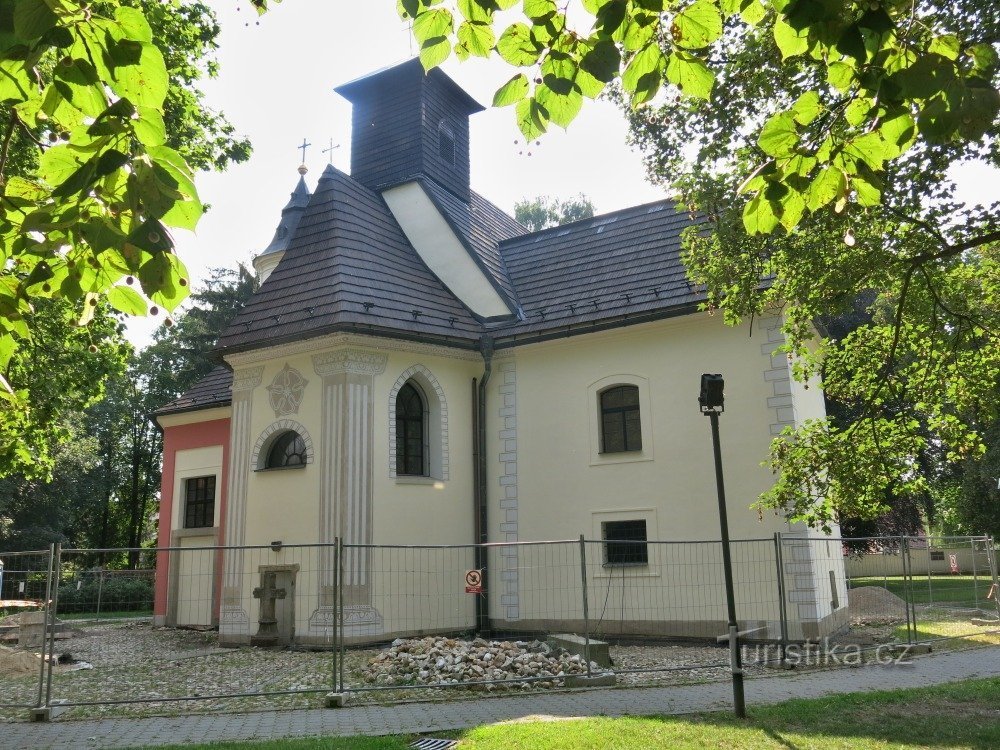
<point>790,41</point>
<point>947,46</point>
<point>477,38</point>
<point>57,164</point>
<point>149,128</point>
<point>145,82</point>
<point>127,300</point>
<point>841,76</point>
<point>15,85</point>
<point>697,26</point>
<point>134,24</point>
<point>539,10</point>
<point>160,279</point>
<point>791,207</point>
<point>870,148</point>
<point>20,187</point>
<point>611,16</point>
<point>434,51</point>
<point>562,108</point>
<point>184,214</point>
<point>852,44</point>
<point>602,61</point>
<point>532,118</point>
<point>641,79</point>
<point>779,136</point>
<point>517,47</point>
<point>432,24</point>
<point>807,107</point>
<point>752,11</point>
<point>759,216</point>
<point>32,18</point>
<point>690,74</point>
<point>899,133</point>
<point>829,185</point>
<point>511,92</point>
<point>867,190</point>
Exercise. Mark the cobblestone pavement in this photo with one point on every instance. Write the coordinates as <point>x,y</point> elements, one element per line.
<point>415,718</point>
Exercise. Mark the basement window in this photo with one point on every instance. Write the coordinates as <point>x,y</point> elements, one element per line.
<point>624,543</point>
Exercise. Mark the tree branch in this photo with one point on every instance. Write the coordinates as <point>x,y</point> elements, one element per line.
<point>5,150</point>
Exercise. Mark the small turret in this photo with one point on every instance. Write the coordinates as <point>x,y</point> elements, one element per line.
<point>270,256</point>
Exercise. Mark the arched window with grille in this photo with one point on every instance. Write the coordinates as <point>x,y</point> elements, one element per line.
<point>621,424</point>
<point>288,451</point>
<point>412,457</point>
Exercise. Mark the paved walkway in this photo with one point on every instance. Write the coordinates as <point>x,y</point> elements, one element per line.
<point>415,718</point>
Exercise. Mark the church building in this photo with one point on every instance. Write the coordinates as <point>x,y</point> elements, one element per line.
<point>417,368</point>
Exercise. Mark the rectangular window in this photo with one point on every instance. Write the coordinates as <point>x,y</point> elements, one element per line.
<point>937,554</point>
<point>624,543</point>
<point>199,503</point>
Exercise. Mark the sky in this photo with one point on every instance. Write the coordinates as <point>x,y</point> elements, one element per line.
<point>276,86</point>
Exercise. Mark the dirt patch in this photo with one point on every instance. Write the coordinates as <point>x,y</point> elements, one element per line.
<point>17,663</point>
<point>874,604</point>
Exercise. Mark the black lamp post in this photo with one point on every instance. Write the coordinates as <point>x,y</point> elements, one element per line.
<point>712,403</point>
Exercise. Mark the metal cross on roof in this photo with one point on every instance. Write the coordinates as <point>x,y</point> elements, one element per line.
<point>331,150</point>
<point>303,147</point>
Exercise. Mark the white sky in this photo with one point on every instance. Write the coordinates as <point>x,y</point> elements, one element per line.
<point>276,86</point>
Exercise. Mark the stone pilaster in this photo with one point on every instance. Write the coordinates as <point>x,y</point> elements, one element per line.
<point>346,473</point>
<point>509,563</point>
<point>233,619</point>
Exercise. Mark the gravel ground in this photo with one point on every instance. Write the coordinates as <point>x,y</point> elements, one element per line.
<point>133,661</point>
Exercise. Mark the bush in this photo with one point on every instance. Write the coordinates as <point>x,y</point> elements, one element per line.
<point>116,595</point>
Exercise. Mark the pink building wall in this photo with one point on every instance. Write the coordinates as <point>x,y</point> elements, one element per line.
<point>180,438</point>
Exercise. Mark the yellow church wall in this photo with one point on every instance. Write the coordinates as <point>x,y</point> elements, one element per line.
<point>550,481</point>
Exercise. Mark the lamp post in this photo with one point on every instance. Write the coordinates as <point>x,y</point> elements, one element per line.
<point>711,400</point>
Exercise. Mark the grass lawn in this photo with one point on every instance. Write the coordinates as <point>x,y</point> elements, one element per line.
<point>112,615</point>
<point>959,715</point>
<point>957,590</point>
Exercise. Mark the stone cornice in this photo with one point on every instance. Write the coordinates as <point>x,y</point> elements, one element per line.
<point>349,360</point>
<point>321,343</point>
<point>247,380</point>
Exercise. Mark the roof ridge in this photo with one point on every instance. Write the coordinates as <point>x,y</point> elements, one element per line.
<point>581,222</point>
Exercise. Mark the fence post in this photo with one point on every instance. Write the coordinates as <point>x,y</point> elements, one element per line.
<point>975,573</point>
<point>911,610</point>
<point>782,598</point>
<point>45,632</point>
<point>340,608</point>
<point>54,610</point>
<point>991,559</point>
<point>100,589</point>
<point>586,609</point>
<point>336,620</point>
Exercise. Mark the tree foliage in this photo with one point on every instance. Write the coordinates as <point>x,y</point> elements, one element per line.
<point>105,478</point>
<point>816,136</point>
<point>544,212</point>
<point>101,125</point>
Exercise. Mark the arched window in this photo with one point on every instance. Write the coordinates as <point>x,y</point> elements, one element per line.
<point>621,427</point>
<point>288,450</point>
<point>446,142</point>
<point>411,431</point>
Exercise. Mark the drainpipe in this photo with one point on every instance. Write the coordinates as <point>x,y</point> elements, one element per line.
<point>480,493</point>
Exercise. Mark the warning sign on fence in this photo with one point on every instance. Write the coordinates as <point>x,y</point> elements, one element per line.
<point>474,582</point>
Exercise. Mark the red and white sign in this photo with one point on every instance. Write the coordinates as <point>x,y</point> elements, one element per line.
<point>474,582</point>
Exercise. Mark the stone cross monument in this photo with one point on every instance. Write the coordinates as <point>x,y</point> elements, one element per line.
<point>268,593</point>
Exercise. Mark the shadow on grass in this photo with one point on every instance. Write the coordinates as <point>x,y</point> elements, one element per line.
<point>962,715</point>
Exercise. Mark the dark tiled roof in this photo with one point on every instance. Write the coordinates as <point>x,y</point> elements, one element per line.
<point>482,226</point>
<point>291,214</point>
<point>349,267</point>
<point>598,270</point>
<point>215,389</point>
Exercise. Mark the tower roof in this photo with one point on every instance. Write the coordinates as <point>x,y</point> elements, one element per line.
<point>370,85</point>
<point>290,216</point>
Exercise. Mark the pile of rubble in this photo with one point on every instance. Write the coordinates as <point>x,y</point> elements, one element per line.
<point>450,661</point>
